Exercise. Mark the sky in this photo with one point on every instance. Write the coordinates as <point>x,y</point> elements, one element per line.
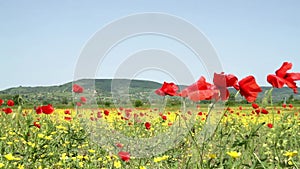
<point>41,41</point>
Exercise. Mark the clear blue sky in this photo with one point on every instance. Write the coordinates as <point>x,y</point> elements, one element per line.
<point>41,40</point>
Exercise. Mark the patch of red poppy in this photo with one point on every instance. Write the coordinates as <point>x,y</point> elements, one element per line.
<point>200,85</point>
<point>119,145</point>
<point>10,103</point>
<point>284,105</point>
<point>67,112</point>
<point>264,111</point>
<point>125,156</point>
<point>39,110</point>
<point>281,77</point>
<point>167,89</point>
<point>148,125</point>
<point>106,112</point>
<point>1,102</point>
<point>255,106</point>
<point>67,118</point>
<point>47,109</point>
<point>7,110</point>
<point>270,125</point>
<point>37,124</point>
<point>83,99</point>
<point>77,88</point>
<point>249,88</point>
<point>222,81</point>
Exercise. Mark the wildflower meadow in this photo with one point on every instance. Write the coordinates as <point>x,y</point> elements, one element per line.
<point>258,135</point>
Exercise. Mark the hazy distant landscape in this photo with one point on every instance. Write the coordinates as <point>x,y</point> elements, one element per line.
<point>139,90</point>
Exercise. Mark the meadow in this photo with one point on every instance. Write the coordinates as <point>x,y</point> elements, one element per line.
<point>257,135</point>
<point>245,138</point>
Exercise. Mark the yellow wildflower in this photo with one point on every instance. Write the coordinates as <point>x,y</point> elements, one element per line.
<point>60,127</point>
<point>41,135</point>
<point>80,157</point>
<point>290,154</point>
<point>20,166</point>
<point>212,156</point>
<point>80,164</point>
<point>64,156</point>
<point>31,144</point>
<point>117,164</point>
<point>92,151</point>
<point>1,165</point>
<point>86,157</point>
<point>48,138</point>
<point>158,159</point>
<point>10,157</point>
<point>234,154</point>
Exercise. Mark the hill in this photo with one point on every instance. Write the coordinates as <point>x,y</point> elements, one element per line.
<point>138,89</point>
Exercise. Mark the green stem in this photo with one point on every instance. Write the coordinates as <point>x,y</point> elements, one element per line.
<point>259,160</point>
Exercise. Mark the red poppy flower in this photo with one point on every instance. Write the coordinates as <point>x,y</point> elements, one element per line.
<point>255,106</point>
<point>200,90</point>
<point>78,104</point>
<point>36,124</point>
<point>67,112</point>
<point>148,125</point>
<point>119,145</point>
<point>83,99</point>
<point>48,109</point>
<point>223,81</point>
<point>164,117</point>
<point>10,103</point>
<point>7,110</point>
<point>77,88</point>
<point>204,95</point>
<point>264,111</point>
<point>106,112</point>
<point>39,110</point>
<point>281,77</point>
<point>201,84</point>
<point>1,102</point>
<point>249,88</point>
<point>284,105</point>
<point>125,156</point>
<point>270,125</point>
<point>291,106</point>
<point>67,118</point>
<point>167,89</point>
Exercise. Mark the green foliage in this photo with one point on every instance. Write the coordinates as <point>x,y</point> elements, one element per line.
<point>107,104</point>
<point>138,103</point>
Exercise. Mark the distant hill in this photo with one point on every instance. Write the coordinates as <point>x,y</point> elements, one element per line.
<point>138,88</point>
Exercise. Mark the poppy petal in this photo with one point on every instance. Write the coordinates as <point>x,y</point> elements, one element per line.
<point>281,72</point>
<point>276,81</point>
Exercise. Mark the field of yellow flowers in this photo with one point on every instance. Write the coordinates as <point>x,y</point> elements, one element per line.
<point>192,136</point>
<point>247,137</point>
